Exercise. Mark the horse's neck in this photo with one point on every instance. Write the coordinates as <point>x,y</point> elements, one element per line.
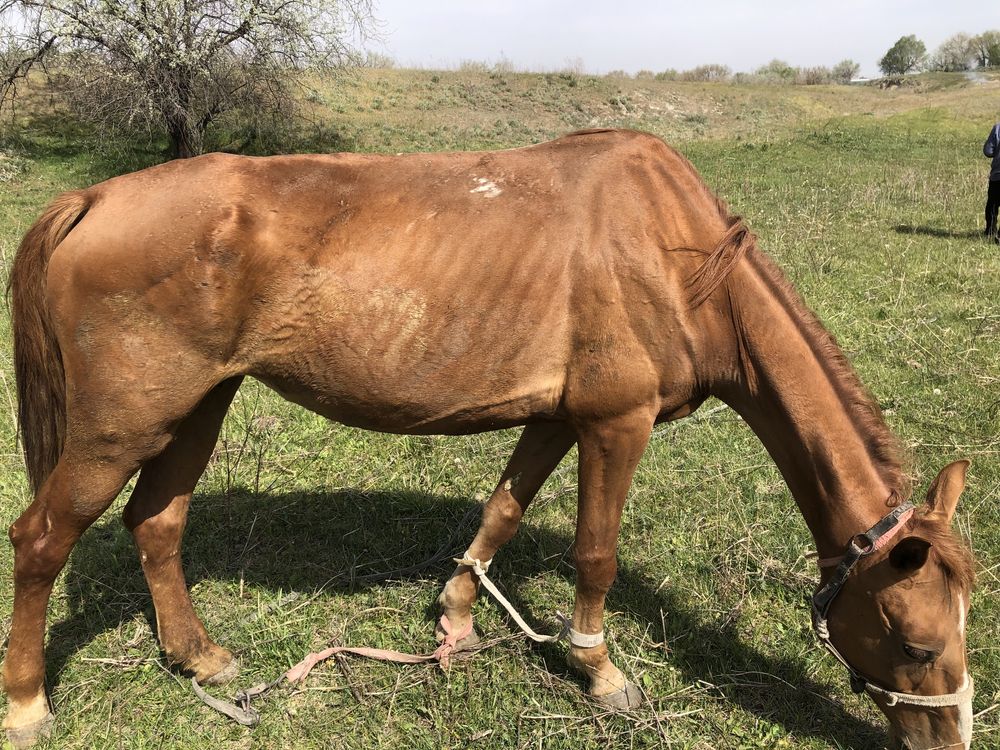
<point>798,402</point>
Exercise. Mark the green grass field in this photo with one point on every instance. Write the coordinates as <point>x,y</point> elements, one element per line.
<point>872,203</point>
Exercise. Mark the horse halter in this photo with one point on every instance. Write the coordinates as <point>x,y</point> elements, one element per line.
<point>860,546</point>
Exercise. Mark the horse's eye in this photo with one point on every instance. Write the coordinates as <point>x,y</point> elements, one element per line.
<point>919,654</point>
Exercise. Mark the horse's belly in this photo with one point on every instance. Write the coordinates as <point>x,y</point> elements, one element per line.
<point>401,360</point>
<point>416,410</point>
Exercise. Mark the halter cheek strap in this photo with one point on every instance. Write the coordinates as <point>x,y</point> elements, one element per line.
<point>861,546</point>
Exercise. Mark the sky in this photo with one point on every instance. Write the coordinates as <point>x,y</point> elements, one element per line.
<point>633,35</point>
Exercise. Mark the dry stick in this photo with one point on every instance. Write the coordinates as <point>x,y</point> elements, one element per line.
<point>346,671</point>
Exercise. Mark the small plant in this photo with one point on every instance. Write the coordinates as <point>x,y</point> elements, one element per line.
<point>11,167</point>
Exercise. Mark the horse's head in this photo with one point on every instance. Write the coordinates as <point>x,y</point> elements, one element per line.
<point>899,622</point>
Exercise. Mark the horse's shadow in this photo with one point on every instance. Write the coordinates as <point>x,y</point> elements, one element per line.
<point>303,541</point>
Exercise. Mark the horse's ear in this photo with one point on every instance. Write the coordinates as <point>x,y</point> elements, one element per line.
<point>943,494</point>
<point>909,554</point>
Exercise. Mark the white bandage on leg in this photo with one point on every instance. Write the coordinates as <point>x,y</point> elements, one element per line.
<point>585,640</point>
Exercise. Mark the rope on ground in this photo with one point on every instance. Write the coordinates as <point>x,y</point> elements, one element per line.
<point>240,711</point>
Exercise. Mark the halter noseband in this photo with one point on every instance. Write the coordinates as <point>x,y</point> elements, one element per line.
<point>860,546</point>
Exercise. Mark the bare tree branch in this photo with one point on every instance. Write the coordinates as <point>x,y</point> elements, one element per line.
<point>18,69</point>
<point>176,66</point>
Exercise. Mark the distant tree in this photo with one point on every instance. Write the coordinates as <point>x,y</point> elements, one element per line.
<point>779,71</point>
<point>179,66</point>
<point>956,53</point>
<point>986,49</point>
<point>905,55</point>
<point>845,71</point>
<point>670,74</point>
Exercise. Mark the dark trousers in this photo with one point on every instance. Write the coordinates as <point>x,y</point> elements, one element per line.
<point>992,205</point>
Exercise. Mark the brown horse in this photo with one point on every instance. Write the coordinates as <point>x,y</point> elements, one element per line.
<point>586,288</point>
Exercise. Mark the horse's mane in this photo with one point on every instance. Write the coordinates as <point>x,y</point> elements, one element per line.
<point>738,244</point>
<point>734,245</point>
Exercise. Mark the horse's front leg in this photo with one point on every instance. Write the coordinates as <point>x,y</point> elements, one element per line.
<point>539,450</point>
<point>609,453</point>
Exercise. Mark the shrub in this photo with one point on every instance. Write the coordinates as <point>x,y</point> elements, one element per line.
<point>845,71</point>
<point>813,76</point>
<point>778,71</point>
<point>713,72</point>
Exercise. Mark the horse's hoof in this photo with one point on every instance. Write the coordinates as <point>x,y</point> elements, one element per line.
<point>626,699</point>
<point>468,642</point>
<point>465,644</point>
<point>225,675</point>
<point>26,736</point>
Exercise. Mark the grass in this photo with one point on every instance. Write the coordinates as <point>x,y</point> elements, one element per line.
<point>870,200</point>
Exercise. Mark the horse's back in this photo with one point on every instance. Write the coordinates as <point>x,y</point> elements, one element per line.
<point>425,292</point>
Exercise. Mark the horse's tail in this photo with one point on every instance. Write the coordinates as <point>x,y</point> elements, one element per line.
<point>38,365</point>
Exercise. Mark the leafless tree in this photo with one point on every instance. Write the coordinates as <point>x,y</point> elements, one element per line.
<point>956,53</point>
<point>178,65</point>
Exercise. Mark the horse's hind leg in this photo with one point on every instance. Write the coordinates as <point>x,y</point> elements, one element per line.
<point>78,491</point>
<point>156,514</point>
<point>539,450</point>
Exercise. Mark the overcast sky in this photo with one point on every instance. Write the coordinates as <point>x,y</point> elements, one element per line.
<point>633,35</point>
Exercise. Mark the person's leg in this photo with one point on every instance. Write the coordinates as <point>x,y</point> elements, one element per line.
<point>992,206</point>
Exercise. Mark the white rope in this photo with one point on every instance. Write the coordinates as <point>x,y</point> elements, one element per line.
<point>480,568</point>
<point>960,696</point>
